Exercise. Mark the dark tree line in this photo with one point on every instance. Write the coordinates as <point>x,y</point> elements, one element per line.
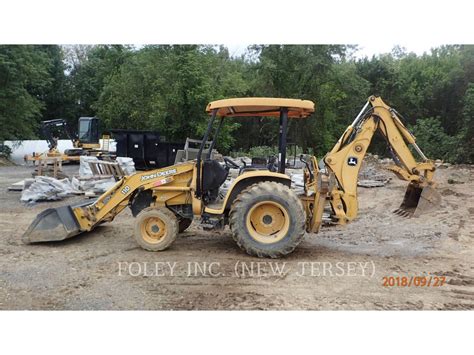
<point>166,88</point>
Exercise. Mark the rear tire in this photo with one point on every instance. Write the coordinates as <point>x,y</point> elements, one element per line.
<point>267,220</point>
<point>156,228</point>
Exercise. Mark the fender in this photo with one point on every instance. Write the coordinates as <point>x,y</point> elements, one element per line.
<point>244,181</point>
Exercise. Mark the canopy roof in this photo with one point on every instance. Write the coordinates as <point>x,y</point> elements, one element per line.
<point>261,106</point>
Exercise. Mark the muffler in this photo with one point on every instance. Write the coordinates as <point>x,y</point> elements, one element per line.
<point>418,200</point>
<point>54,224</point>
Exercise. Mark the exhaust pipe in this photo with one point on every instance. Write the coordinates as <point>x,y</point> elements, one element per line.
<point>54,224</point>
<point>418,200</point>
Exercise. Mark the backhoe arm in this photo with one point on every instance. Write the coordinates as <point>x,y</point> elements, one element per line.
<point>345,159</point>
<point>61,125</point>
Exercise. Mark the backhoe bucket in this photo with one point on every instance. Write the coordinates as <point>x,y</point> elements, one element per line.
<point>51,225</point>
<point>418,200</point>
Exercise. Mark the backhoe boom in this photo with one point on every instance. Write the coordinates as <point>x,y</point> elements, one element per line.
<point>345,159</point>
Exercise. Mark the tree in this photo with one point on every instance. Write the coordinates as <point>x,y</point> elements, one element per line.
<point>168,87</point>
<point>431,85</point>
<point>59,97</point>
<point>466,136</point>
<point>91,66</point>
<point>24,78</point>
<point>315,72</point>
<point>436,144</point>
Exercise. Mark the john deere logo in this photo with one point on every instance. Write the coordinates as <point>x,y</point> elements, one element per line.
<point>352,161</point>
<point>158,174</point>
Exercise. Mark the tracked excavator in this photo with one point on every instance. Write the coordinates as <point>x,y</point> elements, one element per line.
<point>266,217</point>
<point>85,142</point>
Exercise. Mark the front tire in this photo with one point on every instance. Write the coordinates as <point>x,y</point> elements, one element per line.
<point>267,220</point>
<point>155,228</point>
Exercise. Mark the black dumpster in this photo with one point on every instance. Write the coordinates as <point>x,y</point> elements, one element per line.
<point>146,148</point>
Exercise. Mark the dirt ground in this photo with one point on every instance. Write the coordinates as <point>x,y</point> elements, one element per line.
<point>339,268</point>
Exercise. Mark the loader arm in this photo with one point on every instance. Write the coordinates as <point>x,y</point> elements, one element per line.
<point>345,159</point>
<point>174,184</point>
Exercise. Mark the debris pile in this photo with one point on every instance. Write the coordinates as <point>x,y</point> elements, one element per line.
<point>92,186</point>
<point>371,174</point>
<point>45,188</point>
<point>93,183</point>
<point>21,185</point>
<point>441,164</point>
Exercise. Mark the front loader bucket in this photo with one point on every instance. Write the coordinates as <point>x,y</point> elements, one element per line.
<point>51,225</point>
<point>418,200</point>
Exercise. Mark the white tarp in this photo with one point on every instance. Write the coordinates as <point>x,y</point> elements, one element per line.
<point>95,185</point>
<point>84,167</point>
<point>127,165</point>
<point>22,148</point>
<point>47,188</point>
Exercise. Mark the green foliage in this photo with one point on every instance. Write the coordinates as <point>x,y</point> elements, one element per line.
<point>431,85</point>
<point>5,151</point>
<point>24,78</point>
<point>314,72</point>
<point>262,151</point>
<point>167,88</point>
<point>58,99</point>
<point>258,151</point>
<point>436,144</point>
<point>465,152</point>
<point>342,95</point>
<point>265,151</point>
<point>90,72</point>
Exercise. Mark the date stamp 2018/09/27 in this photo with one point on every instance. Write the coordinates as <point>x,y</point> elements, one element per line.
<point>413,281</point>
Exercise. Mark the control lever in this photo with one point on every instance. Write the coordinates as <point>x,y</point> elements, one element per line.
<point>305,162</point>
<point>243,167</point>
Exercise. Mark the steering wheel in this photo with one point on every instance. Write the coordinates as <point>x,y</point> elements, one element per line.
<point>230,164</point>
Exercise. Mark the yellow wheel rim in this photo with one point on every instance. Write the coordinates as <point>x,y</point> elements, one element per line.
<point>268,222</point>
<point>153,230</point>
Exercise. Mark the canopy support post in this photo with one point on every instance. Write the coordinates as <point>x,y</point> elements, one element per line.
<point>282,140</point>
<point>199,158</point>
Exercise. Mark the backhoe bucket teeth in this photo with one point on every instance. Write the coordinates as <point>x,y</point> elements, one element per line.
<point>418,200</point>
<point>52,224</point>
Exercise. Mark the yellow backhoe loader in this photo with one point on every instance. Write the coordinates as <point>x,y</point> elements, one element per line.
<point>266,217</point>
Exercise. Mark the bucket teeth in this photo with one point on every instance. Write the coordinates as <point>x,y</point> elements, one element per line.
<point>403,213</point>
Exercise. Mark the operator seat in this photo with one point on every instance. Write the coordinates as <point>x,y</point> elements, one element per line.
<point>213,175</point>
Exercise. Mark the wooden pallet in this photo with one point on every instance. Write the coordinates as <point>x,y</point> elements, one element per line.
<point>106,168</point>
